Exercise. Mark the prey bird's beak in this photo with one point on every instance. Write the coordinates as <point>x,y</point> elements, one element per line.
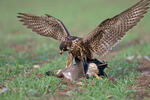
<point>61,52</point>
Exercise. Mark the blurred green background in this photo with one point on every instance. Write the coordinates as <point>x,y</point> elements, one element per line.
<point>20,48</point>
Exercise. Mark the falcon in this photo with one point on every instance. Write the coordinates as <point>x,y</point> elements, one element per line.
<point>99,41</point>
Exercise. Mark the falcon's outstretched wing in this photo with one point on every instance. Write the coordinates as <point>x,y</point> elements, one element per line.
<point>45,25</point>
<point>110,31</point>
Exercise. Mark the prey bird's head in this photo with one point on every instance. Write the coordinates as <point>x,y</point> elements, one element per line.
<point>64,46</point>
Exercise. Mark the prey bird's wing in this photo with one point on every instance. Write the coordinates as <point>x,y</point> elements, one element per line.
<point>112,30</point>
<point>45,25</point>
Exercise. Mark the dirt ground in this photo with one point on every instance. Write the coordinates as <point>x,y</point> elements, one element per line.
<point>142,81</point>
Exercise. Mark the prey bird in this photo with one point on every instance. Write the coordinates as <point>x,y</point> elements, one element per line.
<point>99,41</point>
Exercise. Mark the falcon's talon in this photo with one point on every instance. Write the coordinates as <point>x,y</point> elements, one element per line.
<point>96,76</point>
<point>67,66</point>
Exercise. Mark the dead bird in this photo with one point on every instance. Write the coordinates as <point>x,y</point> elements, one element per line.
<point>73,73</point>
<point>76,71</point>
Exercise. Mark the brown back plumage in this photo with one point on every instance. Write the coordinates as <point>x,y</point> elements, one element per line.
<point>45,26</point>
<point>110,31</point>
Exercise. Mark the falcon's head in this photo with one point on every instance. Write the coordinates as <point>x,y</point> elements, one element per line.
<point>64,46</point>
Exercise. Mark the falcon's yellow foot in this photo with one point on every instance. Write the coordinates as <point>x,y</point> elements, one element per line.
<point>97,76</point>
<point>67,66</point>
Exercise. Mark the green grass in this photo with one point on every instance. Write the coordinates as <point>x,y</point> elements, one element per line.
<point>20,49</point>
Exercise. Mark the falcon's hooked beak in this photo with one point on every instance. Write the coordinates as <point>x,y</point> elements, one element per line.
<point>61,52</point>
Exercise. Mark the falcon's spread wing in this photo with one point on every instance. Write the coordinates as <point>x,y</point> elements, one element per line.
<point>45,25</point>
<point>110,31</point>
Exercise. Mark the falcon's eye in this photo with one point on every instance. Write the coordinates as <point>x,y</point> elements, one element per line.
<point>64,49</point>
<point>63,46</point>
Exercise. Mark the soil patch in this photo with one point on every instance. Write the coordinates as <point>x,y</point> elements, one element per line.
<point>23,47</point>
<point>142,82</point>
